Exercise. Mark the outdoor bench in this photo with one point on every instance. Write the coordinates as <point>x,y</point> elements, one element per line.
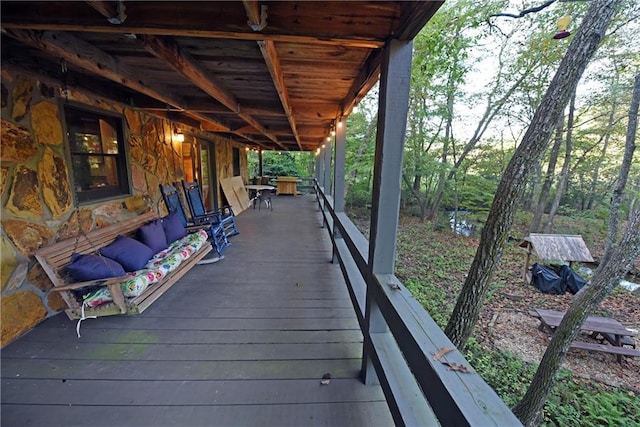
<point>55,260</point>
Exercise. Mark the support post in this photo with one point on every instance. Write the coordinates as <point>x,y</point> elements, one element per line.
<point>395,77</point>
<point>327,167</point>
<point>338,178</point>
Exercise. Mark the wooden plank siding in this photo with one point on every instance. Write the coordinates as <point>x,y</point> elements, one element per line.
<point>241,342</point>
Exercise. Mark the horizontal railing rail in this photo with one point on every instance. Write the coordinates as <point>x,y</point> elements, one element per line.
<point>419,389</point>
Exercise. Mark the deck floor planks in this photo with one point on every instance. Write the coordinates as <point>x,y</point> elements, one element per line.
<point>240,342</point>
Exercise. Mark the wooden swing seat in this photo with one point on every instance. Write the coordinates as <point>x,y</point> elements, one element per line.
<point>55,258</point>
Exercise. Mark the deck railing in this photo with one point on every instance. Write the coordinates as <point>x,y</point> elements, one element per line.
<point>419,389</point>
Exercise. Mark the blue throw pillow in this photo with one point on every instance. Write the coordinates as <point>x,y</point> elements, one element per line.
<point>93,267</point>
<point>130,253</point>
<point>152,235</point>
<point>173,228</point>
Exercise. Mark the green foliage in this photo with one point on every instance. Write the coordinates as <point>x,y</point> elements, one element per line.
<point>281,163</point>
<point>573,402</point>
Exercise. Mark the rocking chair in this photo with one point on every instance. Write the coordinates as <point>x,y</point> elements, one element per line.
<point>224,215</point>
<point>214,229</point>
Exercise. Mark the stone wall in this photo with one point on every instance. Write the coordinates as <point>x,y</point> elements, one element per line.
<point>36,194</point>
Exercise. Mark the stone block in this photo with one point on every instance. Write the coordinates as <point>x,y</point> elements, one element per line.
<point>24,200</point>
<point>45,122</point>
<point>133,120</point>
<point>4,172</point>
<point>38,278</point>
<point>137,178</point>
<point>8,261</point>
<point>26,236</point>
<point>55,185</point>
<point>17,144</point>
<point>55,302</point>
<point>21,311</point>
<point>21,95</point>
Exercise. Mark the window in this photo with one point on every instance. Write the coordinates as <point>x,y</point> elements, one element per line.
<point>236,161</point>
<point>98,158</point>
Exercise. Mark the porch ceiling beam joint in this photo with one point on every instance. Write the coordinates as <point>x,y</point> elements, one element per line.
<point>256,13</point>
<point>114,11</point>
<point>168,50</point>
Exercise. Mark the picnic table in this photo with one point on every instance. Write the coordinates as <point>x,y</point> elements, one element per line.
<point>610,329</point>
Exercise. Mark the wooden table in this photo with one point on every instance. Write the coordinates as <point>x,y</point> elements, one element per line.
<point>287,184</point>
<point>550,320</point>
<point>258,190</point>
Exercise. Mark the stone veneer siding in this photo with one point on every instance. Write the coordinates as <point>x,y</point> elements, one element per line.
<point>36,193</point>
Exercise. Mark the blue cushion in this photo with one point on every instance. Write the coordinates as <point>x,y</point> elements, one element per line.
<point>173,228</point>
<point>93,267</point>
<point>152,235</point>
<point>130,253</point>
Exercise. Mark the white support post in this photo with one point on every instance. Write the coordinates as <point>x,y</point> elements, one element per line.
<point>395,77</point>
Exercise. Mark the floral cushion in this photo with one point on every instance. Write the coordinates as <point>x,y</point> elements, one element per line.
<point>154,270</point>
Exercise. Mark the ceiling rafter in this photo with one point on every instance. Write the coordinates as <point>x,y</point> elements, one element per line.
<point>270,56</point>
<point>365,43</point>
<point>256,13</point>
<point>169,51</point>
<point>112,10</point>
<point>257,20</point>
<point>86,56</point>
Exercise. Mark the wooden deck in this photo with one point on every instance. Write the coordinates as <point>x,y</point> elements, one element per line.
<point>242,342</point>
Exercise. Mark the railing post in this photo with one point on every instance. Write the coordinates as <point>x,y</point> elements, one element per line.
<point>395,76</point>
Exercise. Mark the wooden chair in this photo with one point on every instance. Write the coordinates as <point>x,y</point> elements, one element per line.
<point>224,215</point>
<point>214,229</point>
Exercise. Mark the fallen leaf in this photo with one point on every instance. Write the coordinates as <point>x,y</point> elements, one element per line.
<point>326,379</point>
<point>456,367</point>
<point>442,352</point>
<point>394,286</point>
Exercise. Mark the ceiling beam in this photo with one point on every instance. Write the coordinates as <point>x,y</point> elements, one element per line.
<point>86,56</point>
<point>169,51</point>
<point>365,43</point>
<point>257,14</point>
<point>112,10</point>
<point>270,56</point>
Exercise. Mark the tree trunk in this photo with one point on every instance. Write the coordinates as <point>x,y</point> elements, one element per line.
<point>548,179</point>
<point>603,155</point>
<point>629,148</point>
<point>564,172</point>
<point>495,232</point>
<point>606,278</point>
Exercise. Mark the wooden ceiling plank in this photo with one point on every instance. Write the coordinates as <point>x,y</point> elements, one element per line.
<point>168,50</point>
<point>83,55</point>
<point>363,43</point>
<point>270,55</point>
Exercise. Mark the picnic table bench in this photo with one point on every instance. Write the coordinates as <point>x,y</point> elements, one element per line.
<point>612,330</point>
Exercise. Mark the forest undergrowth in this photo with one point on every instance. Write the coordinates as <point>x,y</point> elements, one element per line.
<point>592,388</point>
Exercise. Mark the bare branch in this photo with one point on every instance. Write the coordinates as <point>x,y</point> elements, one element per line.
<point>526,11</point>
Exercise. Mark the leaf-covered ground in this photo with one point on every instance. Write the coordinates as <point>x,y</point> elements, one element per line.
<point>433,265</point>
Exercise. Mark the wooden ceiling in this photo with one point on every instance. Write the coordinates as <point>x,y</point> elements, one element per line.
<point>274,74</point>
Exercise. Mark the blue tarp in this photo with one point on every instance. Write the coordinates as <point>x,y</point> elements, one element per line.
<point>548,281</point>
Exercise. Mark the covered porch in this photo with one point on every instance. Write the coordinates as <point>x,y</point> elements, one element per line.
<point>245,341</point>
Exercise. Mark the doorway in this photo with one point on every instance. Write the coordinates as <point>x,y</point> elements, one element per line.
<point>199,164</point>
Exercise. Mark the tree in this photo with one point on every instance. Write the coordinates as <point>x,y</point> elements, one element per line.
<point>495,231</point>
<point>630,146</point>
<point>564,172</point>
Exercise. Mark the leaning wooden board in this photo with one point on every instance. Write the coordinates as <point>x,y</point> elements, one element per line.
<point>236,193</point>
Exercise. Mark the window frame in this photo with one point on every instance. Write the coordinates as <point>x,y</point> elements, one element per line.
<point>122,164</point>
